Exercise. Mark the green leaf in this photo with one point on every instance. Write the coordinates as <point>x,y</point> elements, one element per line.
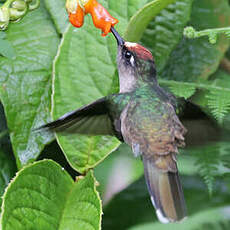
<point>58,13</point>
<point>133,206</point>
<point>214,97</point>
<point>141,19</point>
<point>197,59</point>
<point>203,85</point>
<point>2,35</point>
<point>218,101</point>
<point>165,30</point>
<point>185,92</point>
<point>80,77</point>
<point>208,159</point>
<point>85,152</point>
<point>211,161</point>
<point>7,171</point>
<point>219,104</point>
<point>6,49</point>
<point>216,218</point>
<point>25,83</point>
<point>43,196</point>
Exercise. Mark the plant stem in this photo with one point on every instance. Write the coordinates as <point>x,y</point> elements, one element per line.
<point>207,32</point>
<point>190,32</point>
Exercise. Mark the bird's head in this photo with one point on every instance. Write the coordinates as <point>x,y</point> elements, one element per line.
<point>135,64</point>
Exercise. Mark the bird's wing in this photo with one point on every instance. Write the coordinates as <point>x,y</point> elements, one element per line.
<point>155,136</point>
<point>92,119</point>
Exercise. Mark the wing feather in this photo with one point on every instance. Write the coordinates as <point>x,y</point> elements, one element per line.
<point>92,119</point>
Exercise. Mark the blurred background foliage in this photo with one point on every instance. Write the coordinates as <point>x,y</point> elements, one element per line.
<point>193,69</point>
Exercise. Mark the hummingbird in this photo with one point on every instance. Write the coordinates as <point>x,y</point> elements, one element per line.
<point>143,115</point>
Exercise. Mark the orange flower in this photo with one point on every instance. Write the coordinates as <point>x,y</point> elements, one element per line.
<point>101,17</point>
<point>77,19</point>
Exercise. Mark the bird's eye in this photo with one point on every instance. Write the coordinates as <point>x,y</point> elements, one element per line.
<point>128,55</point>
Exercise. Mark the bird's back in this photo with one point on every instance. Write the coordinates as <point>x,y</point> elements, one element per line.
<point>153,123</point>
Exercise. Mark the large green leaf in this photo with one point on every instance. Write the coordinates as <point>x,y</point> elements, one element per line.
<point>25,82</point>
<point>133,206</point>
<point>43,196</point>
<point>58,13</point>
<point>84,72</point>
<point>141,19</point>
<point>197,59</point>
<point>6,49</point>
<point>166,30</point>
<point>216,218</point>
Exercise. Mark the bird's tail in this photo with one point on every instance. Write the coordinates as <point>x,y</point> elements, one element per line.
<point>165,191</point>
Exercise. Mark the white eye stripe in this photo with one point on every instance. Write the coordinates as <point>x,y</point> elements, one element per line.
<point>131,44</point>
<point>132,60</point>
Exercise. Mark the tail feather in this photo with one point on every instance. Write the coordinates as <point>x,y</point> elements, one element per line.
<point>166,192</point>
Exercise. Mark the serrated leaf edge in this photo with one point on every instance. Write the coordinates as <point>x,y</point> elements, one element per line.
<point>12,181</point>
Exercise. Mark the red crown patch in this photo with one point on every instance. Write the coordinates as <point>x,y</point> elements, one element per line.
<point>139,50</point>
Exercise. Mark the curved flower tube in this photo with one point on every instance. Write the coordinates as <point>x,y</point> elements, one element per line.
<point>101,17</point>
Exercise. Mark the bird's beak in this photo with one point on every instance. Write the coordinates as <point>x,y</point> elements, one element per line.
<point>120,40</point>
